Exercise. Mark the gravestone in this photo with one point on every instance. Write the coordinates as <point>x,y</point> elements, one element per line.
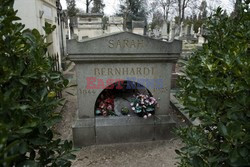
<point>122,56</point>
<point>181,30</point>
<point>164,31</point>
<point>172,31</point>
<point>192,30</point>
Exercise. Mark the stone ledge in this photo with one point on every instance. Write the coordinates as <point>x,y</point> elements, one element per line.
<point>123,57</point>
<point>123,43</point>
<point>122,130</point>
<point>179,108</point>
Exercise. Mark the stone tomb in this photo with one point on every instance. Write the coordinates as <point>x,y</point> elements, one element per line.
<point>122,56</point>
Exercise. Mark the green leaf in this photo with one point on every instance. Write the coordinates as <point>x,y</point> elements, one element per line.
<point>52,94</point>
<point>39,141</point>
<point>209,66</point>
<point>138,111</point>
<point>24,131</point>
<point>234,156</point>
<point>178,152</point>
<point>23,82</point>
<point>23,148</point>
<point>244,152</point>
<point>30,163</point>
<point>225,147</point>
<point>150,109</point>
<point>192,98</point>
<point>223,129</point>
<point>24,107</point>
<point>197,162</point>
<point>28,35</point>
<point>65,82</point>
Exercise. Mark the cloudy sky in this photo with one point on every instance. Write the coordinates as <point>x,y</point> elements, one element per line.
<point>111,6</point>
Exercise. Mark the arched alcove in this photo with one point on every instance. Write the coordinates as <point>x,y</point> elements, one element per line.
<point>118,96</point>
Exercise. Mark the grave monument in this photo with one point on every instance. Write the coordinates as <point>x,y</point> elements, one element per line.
<point>122,56</point>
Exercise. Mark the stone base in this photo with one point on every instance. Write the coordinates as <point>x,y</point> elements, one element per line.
<point>123,129</point>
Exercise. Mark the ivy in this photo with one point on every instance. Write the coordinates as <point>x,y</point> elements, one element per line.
<point>28,88</point>
<point>215,88</point>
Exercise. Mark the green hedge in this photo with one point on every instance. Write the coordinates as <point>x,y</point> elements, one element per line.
<point>28,89</point>
<point>215,88</point>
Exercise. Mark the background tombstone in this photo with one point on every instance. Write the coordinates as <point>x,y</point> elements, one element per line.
<point>102,58</point>
<point>201,39</point>
<point>181,29</point>
<point>188,28</point>
<point>164,31</point>
<point>172,31</point>
<point>192,30</point>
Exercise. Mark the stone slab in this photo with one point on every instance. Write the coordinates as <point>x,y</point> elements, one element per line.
<point>122,44</point>
<point>122,129</point>
<point>124,134</point>
<point>84,132</point>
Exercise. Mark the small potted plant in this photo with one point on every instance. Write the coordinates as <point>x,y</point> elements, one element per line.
<point>125,111</point>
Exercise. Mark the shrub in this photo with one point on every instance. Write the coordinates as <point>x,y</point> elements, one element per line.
<point>215,88</point>
<point>28,89</point>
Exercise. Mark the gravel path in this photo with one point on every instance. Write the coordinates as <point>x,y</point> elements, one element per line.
<point>146,154</point>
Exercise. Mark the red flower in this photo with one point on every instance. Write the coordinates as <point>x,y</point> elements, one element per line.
<point>109,100</point>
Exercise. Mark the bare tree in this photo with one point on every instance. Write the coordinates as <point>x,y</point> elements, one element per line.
<point>182,5</point>
<point>98,6</point>
<point>157,19</point>
<point>132,10</point>
<point>166,5</point>
<point>88,2</point>
<point>71,8</point>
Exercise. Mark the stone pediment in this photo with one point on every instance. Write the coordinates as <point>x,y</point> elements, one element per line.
<point>124,46</point>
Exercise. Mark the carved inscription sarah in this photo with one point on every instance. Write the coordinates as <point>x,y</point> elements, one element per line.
<point>126,43</point>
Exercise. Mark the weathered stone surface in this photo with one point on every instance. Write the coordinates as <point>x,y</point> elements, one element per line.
<point>164,31</point>
<point>123,46</point>
<point>164,126</point>
<point>121,56</point>
<point>119,103</point>
<point>84,132</point>
<point>122,129</point>
<point>86,98</point>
